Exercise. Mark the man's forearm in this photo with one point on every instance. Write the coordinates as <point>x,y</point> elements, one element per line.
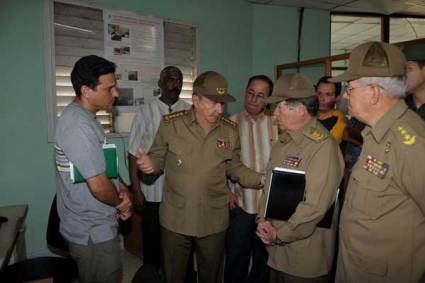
<point>103,189</point>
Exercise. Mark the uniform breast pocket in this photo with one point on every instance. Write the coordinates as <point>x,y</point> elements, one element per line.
<point>224,154</point>
<point>368,194</point>
<point>178,154</point>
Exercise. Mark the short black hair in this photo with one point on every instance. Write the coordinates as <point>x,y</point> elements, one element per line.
<point>325,80</point>
<point>168,71</point>
<point>87,71</point>
<point>263,78</point>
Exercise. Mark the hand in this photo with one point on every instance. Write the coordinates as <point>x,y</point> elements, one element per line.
<point>124,215</point>
<point>124,208</point>
<point>144,162</point>
<point>233,199</point>
<point>266,232</point>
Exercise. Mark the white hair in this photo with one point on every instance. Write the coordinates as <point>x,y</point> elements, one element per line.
<point>393,86</point>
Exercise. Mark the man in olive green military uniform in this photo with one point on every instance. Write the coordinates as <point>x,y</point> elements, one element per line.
<point>382,226</point>
<point>299,249</point>
<point>197,149</point>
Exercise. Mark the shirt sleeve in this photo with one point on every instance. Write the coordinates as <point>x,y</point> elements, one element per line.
<point>412,174</point>
<point>158,150</point>
<point>323,176</point>
<point>137,133</point>
<point>83,148</point>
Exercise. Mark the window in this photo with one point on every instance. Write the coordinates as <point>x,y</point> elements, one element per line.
<point>78,30</point>
<point>350,30</point>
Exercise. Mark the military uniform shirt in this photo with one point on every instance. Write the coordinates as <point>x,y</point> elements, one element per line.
<point>309,249</point>
<point>195,199</point>
<point>382,227</point>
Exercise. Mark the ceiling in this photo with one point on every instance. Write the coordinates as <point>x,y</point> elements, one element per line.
<point>348,31</point>
<point>385,7</point>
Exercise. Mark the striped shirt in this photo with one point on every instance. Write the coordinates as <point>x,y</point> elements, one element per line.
<point>257,137</point>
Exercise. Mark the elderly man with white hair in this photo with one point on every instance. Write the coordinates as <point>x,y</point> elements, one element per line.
<point>382,226</point>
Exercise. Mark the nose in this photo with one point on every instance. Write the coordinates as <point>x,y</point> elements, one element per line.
<point>345,94</point>
<point>219,107</point>
<point>115,92</point>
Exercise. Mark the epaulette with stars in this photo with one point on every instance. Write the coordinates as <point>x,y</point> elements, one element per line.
<point>173,116</point>
<point>316,134</point>
<point>406,135</point>
<point>229,122</point>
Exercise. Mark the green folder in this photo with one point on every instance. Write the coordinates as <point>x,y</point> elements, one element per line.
<point>111,161</point>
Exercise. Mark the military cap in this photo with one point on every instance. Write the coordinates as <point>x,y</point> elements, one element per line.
<point>373,59</point>
<point>213,86</point>
<point>415,52</point>
<point>291,86</point>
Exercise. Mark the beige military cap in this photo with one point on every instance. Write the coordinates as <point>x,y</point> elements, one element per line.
<point>213,86</point>
<point>291,86</point>
<point>373,59</point>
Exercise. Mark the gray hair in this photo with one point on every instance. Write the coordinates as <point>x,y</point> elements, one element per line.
<point>393,86</point>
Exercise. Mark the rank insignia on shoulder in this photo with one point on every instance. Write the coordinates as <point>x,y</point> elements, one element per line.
<point>292,161</point>
<point>174,116</point>
<point>315,134</point>
<point>375,166</point>
<point>224,144</point>
<point>229,122</point>
<point>408,139</point>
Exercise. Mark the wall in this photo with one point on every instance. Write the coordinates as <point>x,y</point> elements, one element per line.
<point>236,38</point>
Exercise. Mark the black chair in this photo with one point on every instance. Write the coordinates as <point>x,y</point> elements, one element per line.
<point>62,269</point>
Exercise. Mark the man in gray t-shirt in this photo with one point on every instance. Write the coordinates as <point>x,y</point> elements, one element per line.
<point>89,210</point>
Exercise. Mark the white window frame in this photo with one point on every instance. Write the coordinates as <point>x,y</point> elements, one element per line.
<point>49,43</point>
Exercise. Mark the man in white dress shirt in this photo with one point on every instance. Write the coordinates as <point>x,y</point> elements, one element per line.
<point>257,132</point>
<point>143,130</point>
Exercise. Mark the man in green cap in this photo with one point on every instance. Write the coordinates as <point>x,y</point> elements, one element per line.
<point>299,249</point>
<point>382,226</point>
<point>197,149</point>
<point>415,74</point>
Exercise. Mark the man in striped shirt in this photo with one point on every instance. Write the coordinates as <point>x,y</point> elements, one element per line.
<point>257,133</point>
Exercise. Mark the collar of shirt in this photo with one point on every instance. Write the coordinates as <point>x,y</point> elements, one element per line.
<point>252,119</point>
<point>298,135</point>
<point>165,107</point>
<point>386,121</point>
<point>191,119</point>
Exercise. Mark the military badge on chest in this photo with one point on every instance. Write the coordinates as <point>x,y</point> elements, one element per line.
<point>376,167</point>
<point>292,161</point>
<point>224,143</point>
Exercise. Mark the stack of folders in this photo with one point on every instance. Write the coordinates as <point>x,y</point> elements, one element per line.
<point>111,163</point>
<point>286,191</point>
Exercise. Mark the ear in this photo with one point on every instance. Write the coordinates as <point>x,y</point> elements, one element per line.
<point>375,96</point>
<point>85,91</point>
<point>159,83</point>
<point>195,100</point>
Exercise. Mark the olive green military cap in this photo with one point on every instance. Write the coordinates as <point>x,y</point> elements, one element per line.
<point>373,59</point>
<point>415,52</point>
<point>291,86</point>
<point>213,86</point>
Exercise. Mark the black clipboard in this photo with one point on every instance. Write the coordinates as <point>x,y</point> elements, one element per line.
<point>286,191</point>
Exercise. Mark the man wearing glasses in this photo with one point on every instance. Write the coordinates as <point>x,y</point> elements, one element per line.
<point>382,230</point>
<point>257,133</point>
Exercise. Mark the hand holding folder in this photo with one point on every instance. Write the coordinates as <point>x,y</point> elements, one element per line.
<point>286,191</point>
<point>111,162</point>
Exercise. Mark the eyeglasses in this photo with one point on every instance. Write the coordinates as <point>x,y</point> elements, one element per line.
<point>256,96</point>
<point>349,89</point>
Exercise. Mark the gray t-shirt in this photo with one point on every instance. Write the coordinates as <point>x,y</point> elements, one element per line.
<point>79,138</point>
